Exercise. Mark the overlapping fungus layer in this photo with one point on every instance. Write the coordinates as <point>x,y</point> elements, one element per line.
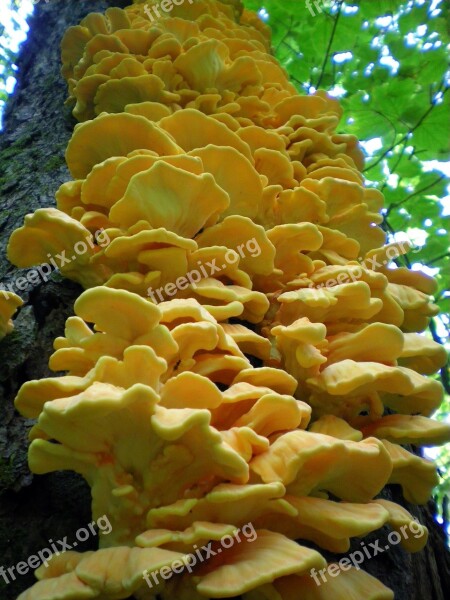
<point>9,303</point>
<point>278,390</point>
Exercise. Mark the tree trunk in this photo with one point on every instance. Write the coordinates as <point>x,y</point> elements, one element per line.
<point>36,510</point>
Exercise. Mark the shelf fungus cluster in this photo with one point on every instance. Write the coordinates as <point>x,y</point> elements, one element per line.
<point>282,388</point>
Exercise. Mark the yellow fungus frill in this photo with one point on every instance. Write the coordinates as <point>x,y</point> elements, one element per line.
<point>117,572</point>
<point>277,387</point>
<point>9,303</point>
<point>229,437</point>
<point>197,57</point>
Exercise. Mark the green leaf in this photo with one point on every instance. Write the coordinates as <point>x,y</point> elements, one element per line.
<point>431,137</point>
<point>414,17</point>
<point>434,67</point>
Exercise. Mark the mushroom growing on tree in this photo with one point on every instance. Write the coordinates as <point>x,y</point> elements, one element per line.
<point>280,387</point>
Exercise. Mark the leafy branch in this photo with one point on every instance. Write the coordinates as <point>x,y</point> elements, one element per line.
<point>433,261</point>
<point>417,193</point>
<point>330,43</point>
<point>407,135</point>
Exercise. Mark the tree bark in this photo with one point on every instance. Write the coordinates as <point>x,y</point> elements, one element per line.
<point>37,128</point>
<point>36,510</point>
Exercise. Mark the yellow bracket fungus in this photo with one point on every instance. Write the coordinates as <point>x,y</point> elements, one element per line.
<point>277,389</point>
<point>9,303</point>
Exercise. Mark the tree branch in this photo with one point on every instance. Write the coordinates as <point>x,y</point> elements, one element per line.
<point>400,156</point>
<point>427,187</point>
<point>387,227</point>
<point>330,43</point>
<point>406,136</point>
<point>434,260</point>
<point>444,371</point>
<point>286,35</point>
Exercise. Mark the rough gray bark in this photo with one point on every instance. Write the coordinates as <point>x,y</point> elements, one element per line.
<point>35,510</point>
